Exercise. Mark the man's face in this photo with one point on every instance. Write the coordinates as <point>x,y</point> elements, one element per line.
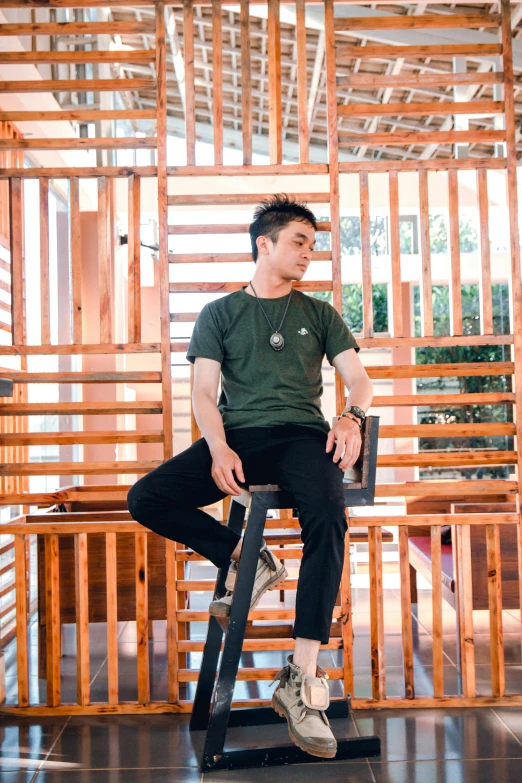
<point>290,256</point>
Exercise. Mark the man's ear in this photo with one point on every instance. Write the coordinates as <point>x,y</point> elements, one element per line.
<point>262,245</point>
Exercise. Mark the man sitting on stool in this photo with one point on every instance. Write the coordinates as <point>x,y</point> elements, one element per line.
<point>267,340</point>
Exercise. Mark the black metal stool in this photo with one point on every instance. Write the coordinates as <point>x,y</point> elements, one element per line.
<point>359,491</point>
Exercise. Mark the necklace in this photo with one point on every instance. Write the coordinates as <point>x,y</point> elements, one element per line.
<point>276,341</point>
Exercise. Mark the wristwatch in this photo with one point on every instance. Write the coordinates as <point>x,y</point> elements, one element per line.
<point>355,411</point>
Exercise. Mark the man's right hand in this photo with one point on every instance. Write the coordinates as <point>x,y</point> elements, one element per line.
<point>224,462</point>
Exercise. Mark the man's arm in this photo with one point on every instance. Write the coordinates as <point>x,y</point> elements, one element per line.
<point>355,378</point>
<point>208,417</point>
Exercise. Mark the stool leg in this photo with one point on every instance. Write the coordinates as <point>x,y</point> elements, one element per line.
<point>217,729</point>
<point>205,686</point>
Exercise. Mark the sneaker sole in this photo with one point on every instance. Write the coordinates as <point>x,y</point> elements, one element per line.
<point>280,708</point>
<point>279,578</point>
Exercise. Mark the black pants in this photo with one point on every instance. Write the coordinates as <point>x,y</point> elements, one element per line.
<point>168,500</point>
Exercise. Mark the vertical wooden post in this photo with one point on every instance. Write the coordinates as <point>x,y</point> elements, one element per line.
<point>275,110</point>
<point>82,619</point>
<point>436,603</point>
<point>347,617</point>
<point>76,259</point>
<point>407,633</point>
<point>378,660</point>
<point>142,618</point>
<point>112,618</point>
<point>52,613</point>
<point>217,83</point>
<point>134,256</point>
<point>188,52</point>
<point>486,303</point>
<point>246,81</point>
<point>425,282</point>
<point>496,635</point>
<point>45,302</point>
<point>17,272</point>
<point>395,255</point>
<point>464,597</point>
<point>172,626</point>
<point>302,82</point>
<point>366,255</point>
<point>454,239</point>
<point>22,646</point>
<point>104,266</point>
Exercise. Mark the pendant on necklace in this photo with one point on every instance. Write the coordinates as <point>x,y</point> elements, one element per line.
<point>277,342</point>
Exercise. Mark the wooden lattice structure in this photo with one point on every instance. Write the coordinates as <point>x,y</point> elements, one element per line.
<point>391,105</point>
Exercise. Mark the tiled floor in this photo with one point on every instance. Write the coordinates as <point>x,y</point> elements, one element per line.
<point>418,746</point>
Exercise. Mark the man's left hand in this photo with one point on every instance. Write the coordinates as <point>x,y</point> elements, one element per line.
<point>346,434</point>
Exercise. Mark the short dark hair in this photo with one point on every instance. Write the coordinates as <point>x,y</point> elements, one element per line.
<point>273,214</point>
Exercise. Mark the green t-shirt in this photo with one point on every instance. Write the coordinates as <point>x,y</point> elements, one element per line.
<point>262,387</point>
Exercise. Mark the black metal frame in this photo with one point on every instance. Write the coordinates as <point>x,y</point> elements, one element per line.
<point>212,705</point>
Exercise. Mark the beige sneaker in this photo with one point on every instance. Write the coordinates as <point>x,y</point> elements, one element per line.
<point>269,574</point>
<point>302,699</point>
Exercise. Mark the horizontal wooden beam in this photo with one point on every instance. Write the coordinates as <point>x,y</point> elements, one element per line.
<point>437,164</point>
<point>458,369</point>
<point>351,52</point>
<point>77,85</point>
<point>432,108</point>
<point>128,143</point>
<point>70,350</point>
<point>229,199</point>
<point>128,376</point>
<point>419,520</point>
<point>116,56</point>
<point>89,115</point>
<point>193,288</point>
<point>421,137</point>
<point>82,172</point>
<point>446,459</point>
<point>76,468</point>
<point>71,438</point>
<point>78,408</point>
<point>359,81</point>
<point>250,170</point>
<point>488,430</point>
<point>183,317</point>
<point>229,228</point>
<point>204,258</point>
<point>70,28</point>
<point>451,488</point>
<point>443,400</point>
<point>427,21</point>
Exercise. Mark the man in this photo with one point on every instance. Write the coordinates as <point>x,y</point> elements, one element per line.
<point>267,341</point>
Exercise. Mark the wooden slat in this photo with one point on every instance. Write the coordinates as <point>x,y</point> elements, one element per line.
<point>22,645</point>
<point>133,376</point>
<point>414,109</point>
<point>436,604</point>
<point>82,619</point>
<point>246,82</point>
<point>425,287</point>
<point>350,52</point>
<point>438,399</point>
<point>36,57</point>
<point>419,22</point>
<point>346,616</point>
<point>406,620</point>
<point>302,82</point>
<point>112,618</point>
<point>72,28</point>
<point>77,85</point>
<point>448,430</point>
<point>443,369</point>
<point>486,301</point>
<point>228,258</point>
<point>104,265</point>
<point>16,249</point>
<point>77,144</point>
<point>79,408</point>
<point>231,199</point>
<point>496,635</point>
<point>74,468</point>
<point>403,81</point>
<point>423,137</point>
<point>395,255</point>
<point>464,604</point>
<point>85,172</point>
<point>45,296</point>
<point>275,107</point>
<point>366,255</point>
<point>378,663</point>
<point>134,254</point>
<point>455,290</point>
<point>437,164</point>
<point>142,618</point>
<point>68,438</point>
<point>76,259</point>
<point>52,612</point>
<point>172,626</point>
<point>161,71</point>
<point>217,83</point>
<point>90,115</point>
<point>190,97</point>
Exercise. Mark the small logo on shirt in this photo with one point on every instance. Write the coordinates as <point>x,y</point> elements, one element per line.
<point>302,331</point>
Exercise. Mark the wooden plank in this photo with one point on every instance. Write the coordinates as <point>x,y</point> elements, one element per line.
<point>402,81</point>
<point>436,604</point>
<point>303,285</point>
<point>104,265</point>
<point>395,255</point>
<point>142,618</point>
<point>346,617</point>
<point>22,645</point>
<point>52,614</point>
<point>486,301</point>
<point>422,137</point>
<point>190,96</point>
<point>378,662</point>
<point>442,370</point>
<point>172,626</point>
<point>275,106</point>
<point>302,82</point>
<point>426,289</point>
<point>53,57</point>
<point>68,438</point>
<point>455,289</point>
<point>496,634</point>
<point>112,618</point>
<point>71,350</point>
<point>246,81</point>
<point>79,408</point>
<point>464,604</point>
<point>82,619</point>
<point>406,621</point>
<point>72,28</point>
<point>76,85</point>
<point>231,199</point>
<point>16,250</point>
<point>419,22</point>
<point>350,52</point>
<point>227,258</point>
<point>77,114</point>
<point>134,254</point>
<point>78,144</point>
<point>366,255</point>
<point>83,172</point>
<point>161,71</point>
<point>75,241</point>
<point>255,170</point>
<point>414,109</point>
<point>45,294</point>
<point>137,376</point>
<point>74,468</point>
<point>217,83</point>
